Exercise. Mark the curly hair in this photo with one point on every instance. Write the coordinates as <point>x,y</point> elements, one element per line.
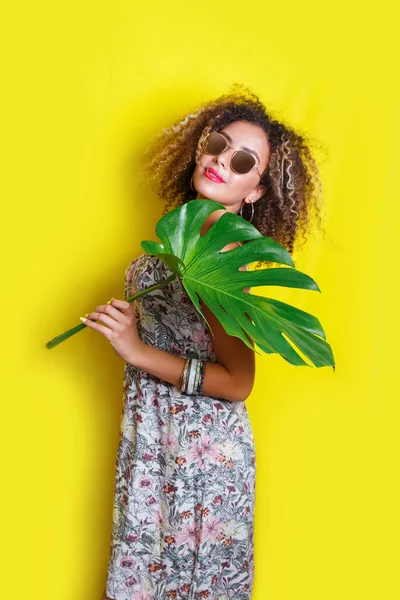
<point>293,188</point>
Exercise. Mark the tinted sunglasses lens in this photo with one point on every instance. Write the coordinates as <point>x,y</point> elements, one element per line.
<point>242,162</point>
<point>215,143</point>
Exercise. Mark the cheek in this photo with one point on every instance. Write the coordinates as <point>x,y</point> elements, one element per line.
<point>243,184</point>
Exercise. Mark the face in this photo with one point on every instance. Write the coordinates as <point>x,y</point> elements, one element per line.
<point>235,187</point>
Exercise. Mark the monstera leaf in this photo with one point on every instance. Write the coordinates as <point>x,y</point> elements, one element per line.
<point>214,276</point>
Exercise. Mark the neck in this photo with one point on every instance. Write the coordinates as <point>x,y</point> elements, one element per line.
<point>217,214</point>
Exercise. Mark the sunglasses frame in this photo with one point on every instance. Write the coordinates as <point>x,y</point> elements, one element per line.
<point>228,145</point>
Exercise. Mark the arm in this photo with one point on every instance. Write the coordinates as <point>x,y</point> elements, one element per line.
<point>231,377</point>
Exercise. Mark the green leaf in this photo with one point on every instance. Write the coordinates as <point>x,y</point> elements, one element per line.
<point>214,276</point>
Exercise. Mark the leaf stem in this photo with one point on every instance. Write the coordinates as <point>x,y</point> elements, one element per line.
<point>70,332</point>
<point>153,287</point>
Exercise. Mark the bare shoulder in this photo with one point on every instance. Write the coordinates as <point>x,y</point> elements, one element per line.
<point>231,246</point>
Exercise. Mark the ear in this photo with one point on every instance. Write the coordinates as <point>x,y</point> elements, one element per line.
<point>256,194</point>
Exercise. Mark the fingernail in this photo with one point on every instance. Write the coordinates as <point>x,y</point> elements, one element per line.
<point>109,302</point>
<point>83,319</point>
<point>87,314</point>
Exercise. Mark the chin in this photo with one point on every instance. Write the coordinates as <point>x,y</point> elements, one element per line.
<point>208,191</point>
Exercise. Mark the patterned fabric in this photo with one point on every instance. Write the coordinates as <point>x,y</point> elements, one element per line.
<point>185,468</point>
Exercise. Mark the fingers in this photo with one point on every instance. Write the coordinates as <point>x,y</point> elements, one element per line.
<point>122,305</point>
<point>106,319</point>
<point>114,314</point>
<point>112,310</point>
<point>106,331</point>
<point>125,308</point>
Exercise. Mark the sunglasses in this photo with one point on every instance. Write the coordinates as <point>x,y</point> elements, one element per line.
<point>242,162</point>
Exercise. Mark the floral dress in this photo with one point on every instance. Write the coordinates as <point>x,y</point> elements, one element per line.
<point>185,469</point>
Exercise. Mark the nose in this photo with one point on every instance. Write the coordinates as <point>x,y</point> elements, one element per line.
<point>224,159</point>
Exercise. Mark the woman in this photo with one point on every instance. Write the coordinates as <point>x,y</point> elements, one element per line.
<point>185,472</point>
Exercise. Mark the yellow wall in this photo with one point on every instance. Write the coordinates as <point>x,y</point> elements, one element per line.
<point>84,86</point>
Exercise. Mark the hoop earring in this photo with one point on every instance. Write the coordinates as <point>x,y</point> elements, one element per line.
<point>252,210</point>
<point>191,183</point>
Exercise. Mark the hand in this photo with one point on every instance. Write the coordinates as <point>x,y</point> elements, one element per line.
<point>121,331</point>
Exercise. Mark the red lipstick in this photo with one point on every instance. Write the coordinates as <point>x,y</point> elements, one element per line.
<point>213,175</point>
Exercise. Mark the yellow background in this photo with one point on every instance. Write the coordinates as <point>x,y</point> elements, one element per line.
<point>84,86</point>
